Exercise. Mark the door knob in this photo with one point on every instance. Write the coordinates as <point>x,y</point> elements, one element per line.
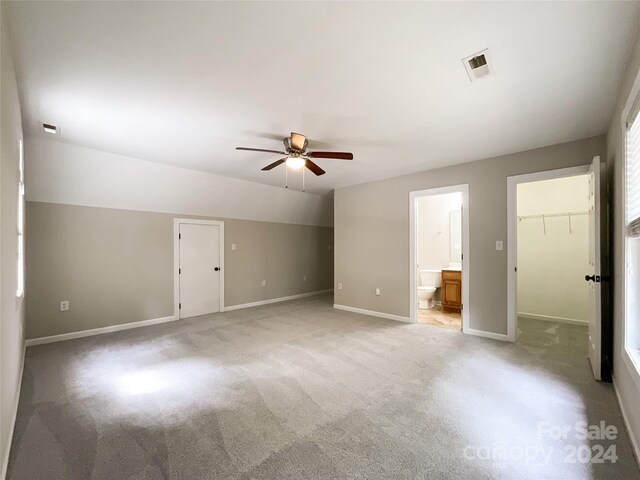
<point>590,278</point>
<point>217,268</point>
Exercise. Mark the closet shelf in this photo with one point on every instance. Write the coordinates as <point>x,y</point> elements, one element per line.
<point>544,216</point>
<point>549,215</point>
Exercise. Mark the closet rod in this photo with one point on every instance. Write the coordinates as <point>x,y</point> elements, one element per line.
<point>547,215</point>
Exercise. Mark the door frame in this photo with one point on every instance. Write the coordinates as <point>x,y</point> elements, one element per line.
<point>512,234</point>
<point>176,259</point>
<point>413,246</point>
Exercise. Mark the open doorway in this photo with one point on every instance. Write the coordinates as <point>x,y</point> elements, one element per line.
<point>553,257</point>
<point>554,277</point>
<point>439,277</point>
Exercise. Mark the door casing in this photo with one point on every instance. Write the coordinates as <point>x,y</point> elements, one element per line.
<point>512,234</point>
<point>413,247</point>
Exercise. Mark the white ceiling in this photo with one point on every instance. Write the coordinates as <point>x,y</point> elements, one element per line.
<point>184,83</point>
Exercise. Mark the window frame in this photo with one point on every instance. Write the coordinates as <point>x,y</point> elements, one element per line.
<point>631,330</point>
<point>20,221</point>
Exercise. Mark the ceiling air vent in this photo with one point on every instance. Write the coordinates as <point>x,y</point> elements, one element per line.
<point>478,65</point>
<point>52,129</point>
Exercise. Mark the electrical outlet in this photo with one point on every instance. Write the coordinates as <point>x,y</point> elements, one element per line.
<point>339,286</point>
<point>378,292</point>
<point>64,305</point>
<point>499,245</point>
<point>304,279</point>
<point>264,283</point>
<point>233,246</point>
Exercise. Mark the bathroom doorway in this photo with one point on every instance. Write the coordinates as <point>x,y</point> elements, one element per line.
<point>554,276</point>
<point>439,257</point>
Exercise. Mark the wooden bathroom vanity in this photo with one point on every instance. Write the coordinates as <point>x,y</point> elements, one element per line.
<point>451,293</point>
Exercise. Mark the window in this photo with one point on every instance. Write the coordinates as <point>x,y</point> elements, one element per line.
<point>21,204</point>
<point>632,177</point>
<point>632,240</point>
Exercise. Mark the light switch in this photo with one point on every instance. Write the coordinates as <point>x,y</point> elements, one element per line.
<point>233,246</point>
<point>64,305</point>
<point>339,286</point>
<point>264,283</point>
<point>499,245</point>
<point>377,291</point>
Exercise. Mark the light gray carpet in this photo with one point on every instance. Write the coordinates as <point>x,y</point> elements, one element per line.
<point>554,336</point>
<point>299,390</point>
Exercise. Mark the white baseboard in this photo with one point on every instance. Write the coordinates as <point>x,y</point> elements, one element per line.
<point>98,331</point>
<point>634,441</point>
<point>154,321</point>
<point>7,452</point>
<point>550,318</point>
<point>275,300</point>
<point>483,333</point>
<point>372,313</point>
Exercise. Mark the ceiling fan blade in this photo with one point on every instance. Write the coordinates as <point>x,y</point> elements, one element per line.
<point>336,155</point>
<point>275,164</point>
<point>268,135</point>
<point>260,150</point>
<point>313,167</point>
<point>298,141</point>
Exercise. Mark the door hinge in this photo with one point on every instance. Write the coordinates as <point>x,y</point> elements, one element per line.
<point>179,236</point>
<point>179,306</point>
<point>179,271</point>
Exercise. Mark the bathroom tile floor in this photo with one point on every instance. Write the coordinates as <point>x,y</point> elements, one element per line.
<point>435,316</point>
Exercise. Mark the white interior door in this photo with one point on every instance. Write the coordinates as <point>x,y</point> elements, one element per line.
<point>199,269</point>
<point>593,276</point>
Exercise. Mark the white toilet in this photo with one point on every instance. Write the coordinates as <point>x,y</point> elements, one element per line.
<point>430,281</point>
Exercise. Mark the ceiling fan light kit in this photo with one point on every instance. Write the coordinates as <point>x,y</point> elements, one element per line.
<point>296,156</point>
<point>296,162</point>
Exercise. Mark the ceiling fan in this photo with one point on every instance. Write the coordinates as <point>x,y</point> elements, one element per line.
<point>295,149</point>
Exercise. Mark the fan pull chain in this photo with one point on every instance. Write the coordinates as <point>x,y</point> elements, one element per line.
<point>286,176</point>
<point>303,187</point>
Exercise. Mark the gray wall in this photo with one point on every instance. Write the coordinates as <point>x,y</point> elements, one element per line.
<point>626,379</point>
<point>372,231</point>
<point>11,308</point>
<point>116,266</point>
